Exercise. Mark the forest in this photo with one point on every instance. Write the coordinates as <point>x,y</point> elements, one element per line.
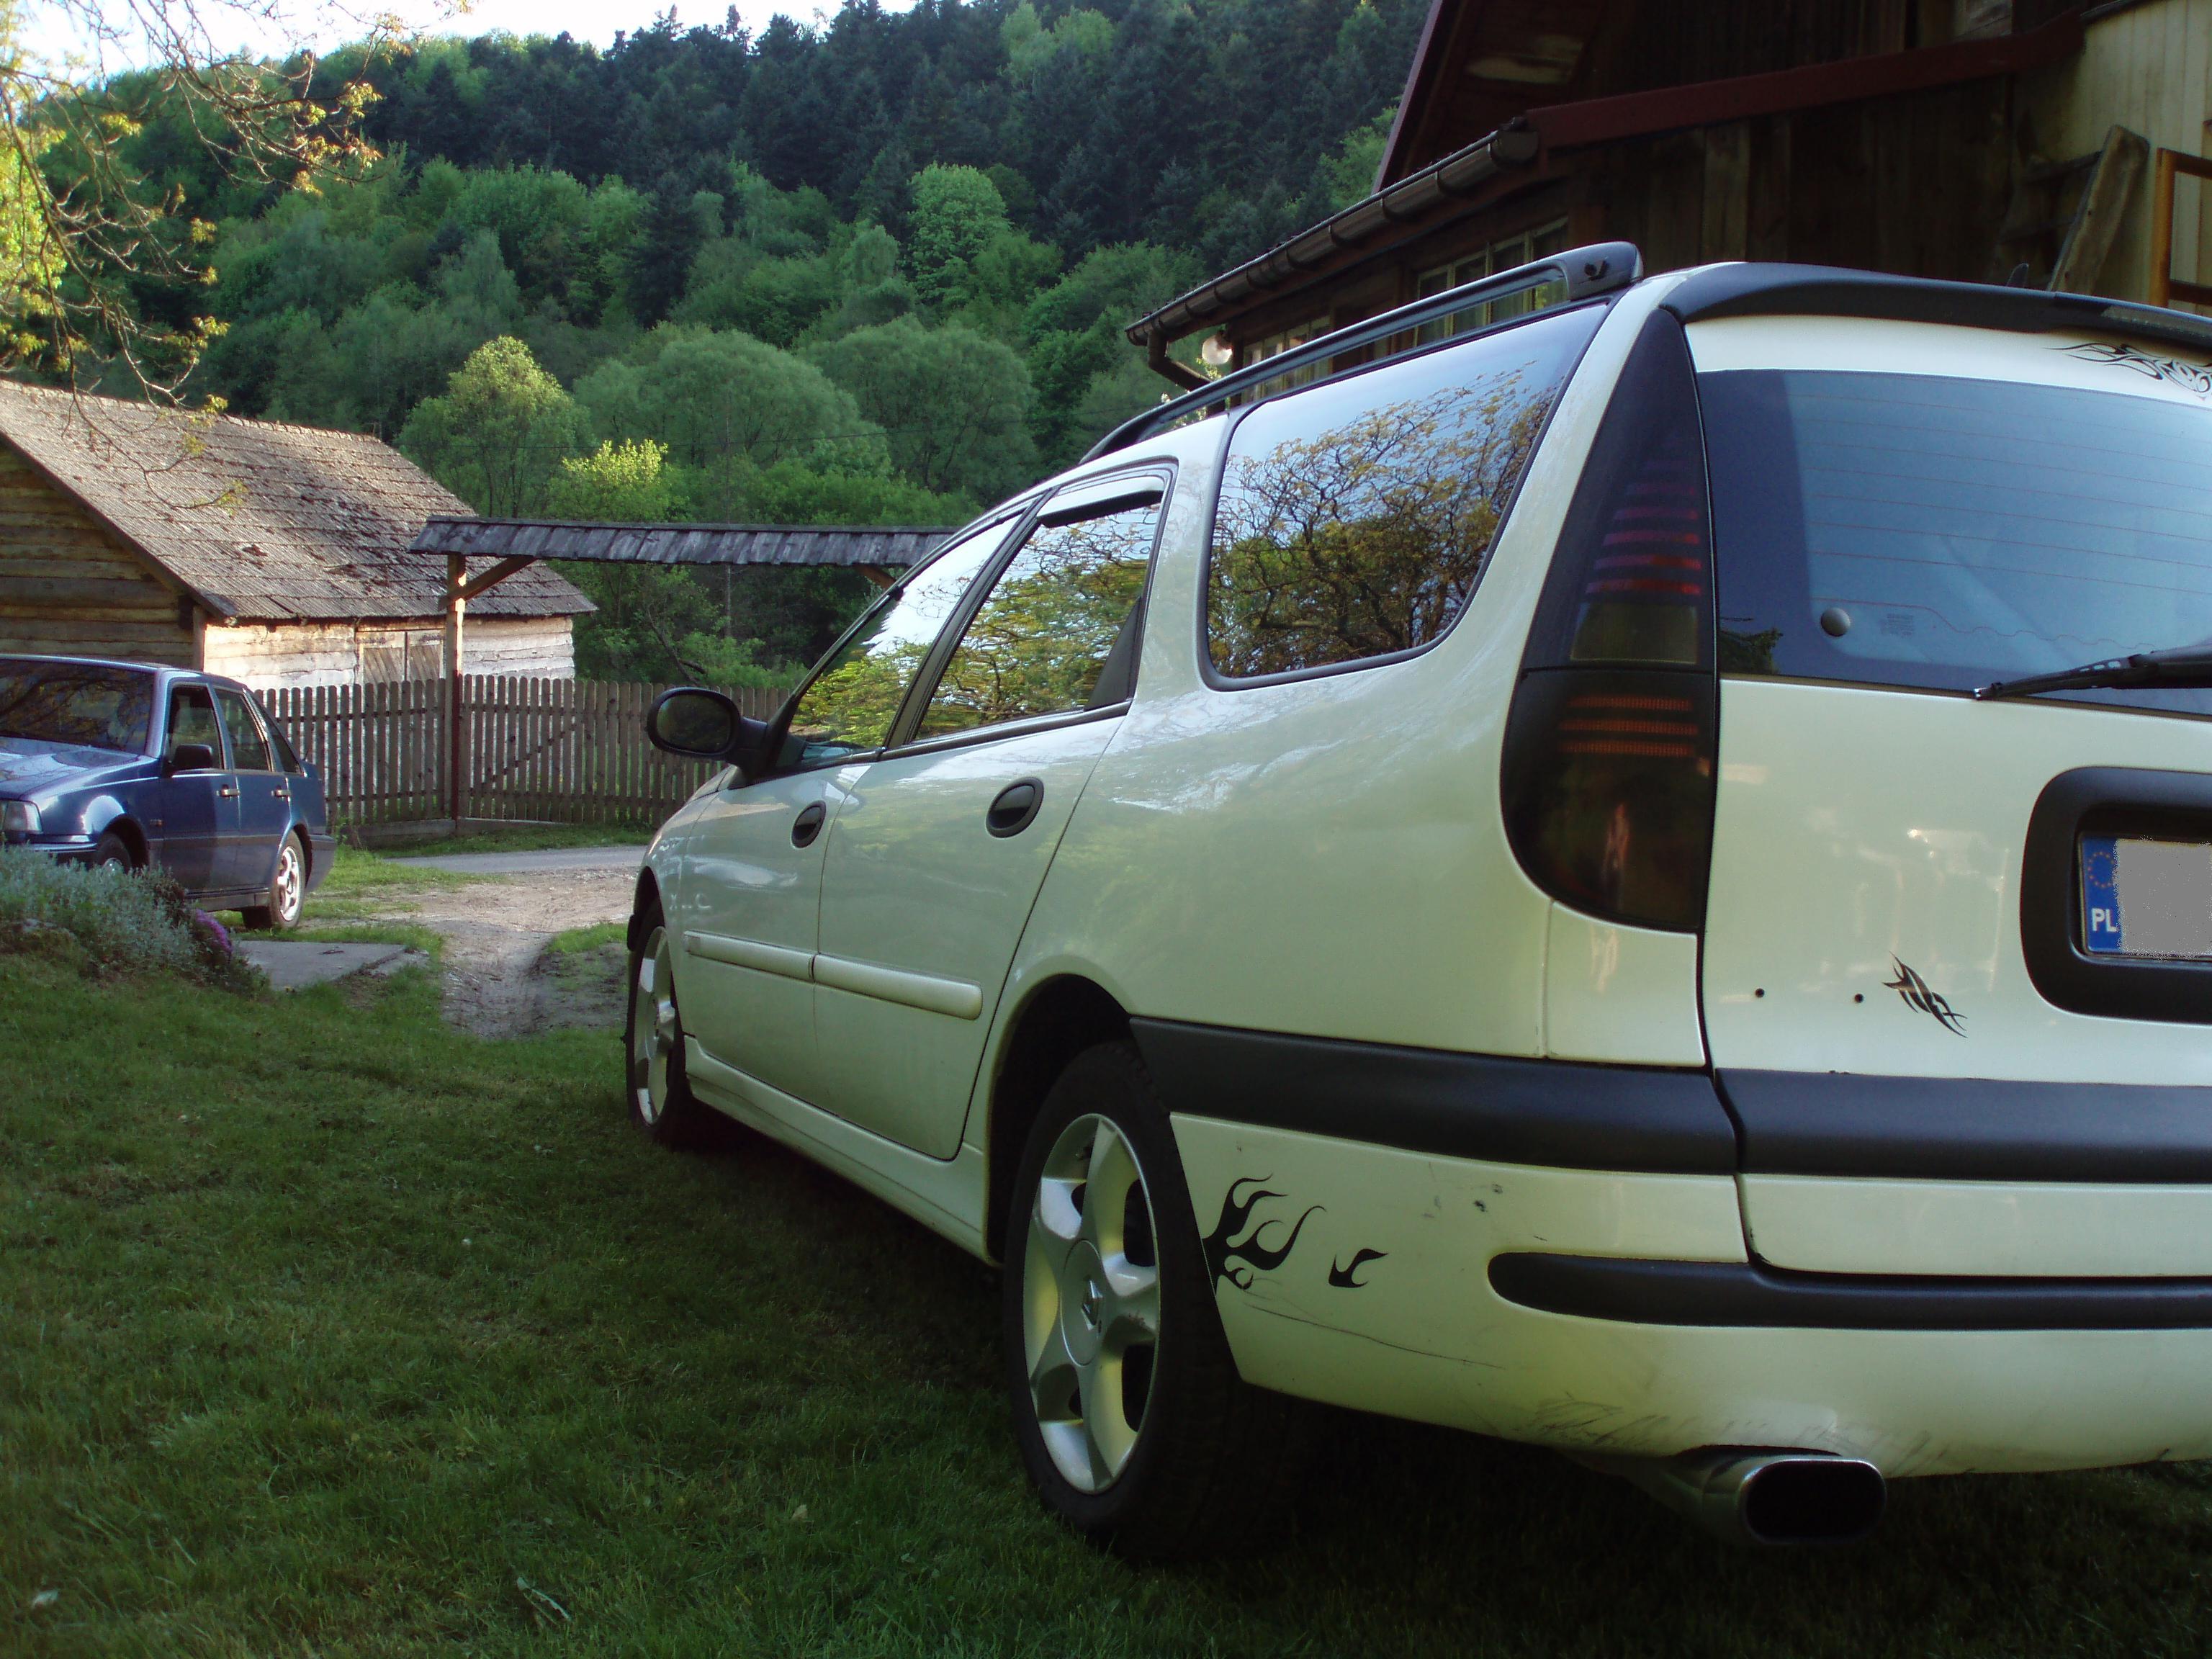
<point>873,270</point>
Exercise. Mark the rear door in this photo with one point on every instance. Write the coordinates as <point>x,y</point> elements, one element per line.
<point>940,847</point>
<point>246,858</point>
<point>1903,875</point>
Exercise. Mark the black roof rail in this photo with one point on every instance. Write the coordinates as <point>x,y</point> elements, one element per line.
<point>1581,272</point>
<point>1781,290</point>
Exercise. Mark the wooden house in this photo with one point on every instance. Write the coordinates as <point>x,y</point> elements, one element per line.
<point>1977,140</point>
<point>275,554</point>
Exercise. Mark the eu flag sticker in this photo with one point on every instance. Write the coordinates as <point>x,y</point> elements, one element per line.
<point>2100,894</point>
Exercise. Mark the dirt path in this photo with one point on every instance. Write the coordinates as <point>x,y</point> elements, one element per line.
<point>500,981</point>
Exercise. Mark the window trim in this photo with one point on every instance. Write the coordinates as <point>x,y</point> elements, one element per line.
<point>1211,676</point>
<point>902,740</point>
<point>169,727</point>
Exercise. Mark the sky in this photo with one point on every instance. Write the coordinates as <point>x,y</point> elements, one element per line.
<point>55,29</point>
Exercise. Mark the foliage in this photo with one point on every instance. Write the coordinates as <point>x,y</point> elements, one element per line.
<point>618,482</point>
<point>954,402</point>
<point>140,923</point>
<point>501,431</point>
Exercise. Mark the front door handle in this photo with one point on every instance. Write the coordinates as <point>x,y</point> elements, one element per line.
<point>808,824</point>
<point>281,794</point>
<point>1015,809</point>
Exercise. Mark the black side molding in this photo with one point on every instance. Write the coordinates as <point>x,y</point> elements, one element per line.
<point>1830,1123</point>
<point>1787,291</point>
<point>1555,1113</point>
<point>1747,1293</point>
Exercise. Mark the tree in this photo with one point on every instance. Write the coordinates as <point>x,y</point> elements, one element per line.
<point>497,436</point>
<point>621,482</point>
<point>958,213</point>
<point>954,404</point>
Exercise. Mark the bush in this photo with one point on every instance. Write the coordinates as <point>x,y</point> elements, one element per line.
<point>141,923</point>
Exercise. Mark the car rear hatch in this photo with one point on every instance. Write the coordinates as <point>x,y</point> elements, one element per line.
<point>1957,969</point>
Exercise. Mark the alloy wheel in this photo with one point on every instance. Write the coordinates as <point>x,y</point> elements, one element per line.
<point>286,893</point>
<point>1091,1303</point>
<point>654,1032</point>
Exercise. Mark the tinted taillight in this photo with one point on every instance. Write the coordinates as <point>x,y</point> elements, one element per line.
<point>1610,748</point>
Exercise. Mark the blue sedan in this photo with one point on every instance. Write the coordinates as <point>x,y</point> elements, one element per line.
<point>124,764</point>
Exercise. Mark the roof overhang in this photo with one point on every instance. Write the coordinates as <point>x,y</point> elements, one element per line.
<point>870,547</point>
<point>1539,148</point>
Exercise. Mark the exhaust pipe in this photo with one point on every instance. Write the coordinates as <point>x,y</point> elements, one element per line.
<point>1767,1497</point>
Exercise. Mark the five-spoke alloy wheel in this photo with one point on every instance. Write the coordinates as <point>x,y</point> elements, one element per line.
<point>660,1099</point>
<point>1134,1426</point>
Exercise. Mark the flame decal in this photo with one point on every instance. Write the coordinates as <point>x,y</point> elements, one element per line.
<point>1235,1259</point>
<point>1345,1276</point>
<point>1918,993</point>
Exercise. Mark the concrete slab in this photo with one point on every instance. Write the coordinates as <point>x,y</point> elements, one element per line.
<point>294,964</point>
<point>622,859</point>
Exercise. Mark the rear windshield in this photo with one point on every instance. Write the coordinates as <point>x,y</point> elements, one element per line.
<point>1916,530</point>
<point>79,703</point>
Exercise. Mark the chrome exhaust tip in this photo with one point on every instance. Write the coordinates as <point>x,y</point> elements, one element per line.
<point>1772,1499</point>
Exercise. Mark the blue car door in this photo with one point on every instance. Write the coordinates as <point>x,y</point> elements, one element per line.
<point>261,811</point>
<point>193,800</point>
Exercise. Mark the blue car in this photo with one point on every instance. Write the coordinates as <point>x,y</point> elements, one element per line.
<point>123,765</point>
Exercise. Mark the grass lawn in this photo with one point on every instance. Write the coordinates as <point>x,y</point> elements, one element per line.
<point>524,838</point>
<point>324,1329</point>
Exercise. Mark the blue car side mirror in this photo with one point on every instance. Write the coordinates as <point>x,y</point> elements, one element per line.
<point>189,757</point>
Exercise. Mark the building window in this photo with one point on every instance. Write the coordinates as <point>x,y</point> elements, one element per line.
<point>1273,346</point>
<point>1499,256</point>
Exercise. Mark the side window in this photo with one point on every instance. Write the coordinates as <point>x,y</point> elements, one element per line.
<point>248,753</point>
<point>1058,632</point>
<point>288,759</point>
<point>848,706</point>
<point>191,719</point>
<point>1355,519</point>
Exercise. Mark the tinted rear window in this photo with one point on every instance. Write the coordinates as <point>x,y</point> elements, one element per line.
<point>1923,531</point>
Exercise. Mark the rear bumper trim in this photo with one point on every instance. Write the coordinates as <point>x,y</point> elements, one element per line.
<point>1741,1294</point>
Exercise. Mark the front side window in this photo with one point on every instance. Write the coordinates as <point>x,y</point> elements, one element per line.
<point>1057,634</point>
<point>1922,530</point>
<point>847,707</point>
<point>191,719</point>
<point>248,753</point>
<point>79,703</point>
<point>1355,519</point>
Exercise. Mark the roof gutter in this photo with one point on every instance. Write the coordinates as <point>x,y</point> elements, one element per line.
<point>1461,173</point>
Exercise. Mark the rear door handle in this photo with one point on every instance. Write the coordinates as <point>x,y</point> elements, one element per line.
<point>808,824</point>
<point>1015,809</point>
<point>228,792</point>
<point>282,794</point>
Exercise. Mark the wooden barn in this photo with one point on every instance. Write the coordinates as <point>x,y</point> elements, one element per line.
<point>273,553</point>
<point>2032,141</point>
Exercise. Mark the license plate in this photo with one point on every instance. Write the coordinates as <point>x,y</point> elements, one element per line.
<point>2146,898</point>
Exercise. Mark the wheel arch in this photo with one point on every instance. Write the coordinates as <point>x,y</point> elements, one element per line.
<point>122,824</point>
<point>647,894</point>
<point>1060,1019</point>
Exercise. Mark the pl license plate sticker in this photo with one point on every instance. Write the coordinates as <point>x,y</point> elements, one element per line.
<point>2146,898</point>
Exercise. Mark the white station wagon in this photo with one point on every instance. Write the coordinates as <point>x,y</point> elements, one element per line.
<point>1625,864</point>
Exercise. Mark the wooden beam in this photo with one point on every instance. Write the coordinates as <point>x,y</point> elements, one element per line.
<point>2103,201</point>
<point>457,749</point>
<point>881,577</point>
<point>492,578</point>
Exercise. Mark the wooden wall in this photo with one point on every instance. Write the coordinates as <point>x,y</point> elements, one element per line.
<point>68,587</point>
<point>268,655</point>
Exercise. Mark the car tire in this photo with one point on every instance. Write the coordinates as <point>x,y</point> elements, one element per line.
<point>288,891</point>
<point>1171,1455</point>
<point>661,1102</point>
<point>112,852</point>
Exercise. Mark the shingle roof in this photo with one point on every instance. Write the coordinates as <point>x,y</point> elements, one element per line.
<point>259,519</point>
<point>684,543</point>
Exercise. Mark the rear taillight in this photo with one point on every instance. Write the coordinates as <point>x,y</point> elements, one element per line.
<point>1610,747</point>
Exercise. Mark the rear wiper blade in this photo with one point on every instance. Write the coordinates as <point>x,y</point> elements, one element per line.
<point>2185,666</point>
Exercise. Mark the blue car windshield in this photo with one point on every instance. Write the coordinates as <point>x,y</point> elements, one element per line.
<point>83,704</point>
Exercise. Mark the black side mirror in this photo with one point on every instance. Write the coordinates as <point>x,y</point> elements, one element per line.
<point>189,757</point>
<point>696,724</point>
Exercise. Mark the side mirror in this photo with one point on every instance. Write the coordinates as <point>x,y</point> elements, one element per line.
<point>189,757</point>
<point>695,724</point>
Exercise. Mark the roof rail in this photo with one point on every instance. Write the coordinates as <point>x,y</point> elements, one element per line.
<point>1581,272</point>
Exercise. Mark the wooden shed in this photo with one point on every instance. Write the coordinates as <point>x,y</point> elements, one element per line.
<point>276,554</point>
<point>1977,140</point>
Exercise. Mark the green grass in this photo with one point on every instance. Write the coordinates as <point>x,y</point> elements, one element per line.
<point>526,838</point>
<point>577,940</point>
<point>325,1329</point>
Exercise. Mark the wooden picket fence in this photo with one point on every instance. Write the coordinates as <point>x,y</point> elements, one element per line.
<point>572,751</point>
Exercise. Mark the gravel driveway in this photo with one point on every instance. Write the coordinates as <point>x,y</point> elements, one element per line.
<point>500,979</point>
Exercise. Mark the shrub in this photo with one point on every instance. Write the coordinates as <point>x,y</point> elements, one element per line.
<point>141,923</point>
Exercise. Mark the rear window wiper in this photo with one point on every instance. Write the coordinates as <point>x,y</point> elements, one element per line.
<point>2183,667</point>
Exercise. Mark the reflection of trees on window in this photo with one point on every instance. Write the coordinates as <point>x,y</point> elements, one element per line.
<point>1367,536</point>
<point>1041,641</point>
<point>849,708</point>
